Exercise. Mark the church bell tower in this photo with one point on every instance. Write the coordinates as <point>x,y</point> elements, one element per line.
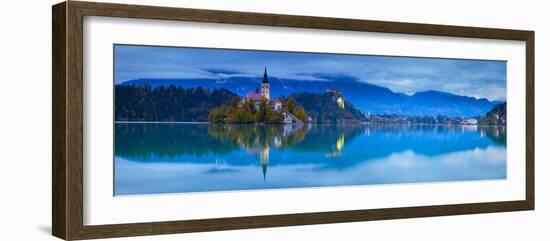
<point>265,86</point>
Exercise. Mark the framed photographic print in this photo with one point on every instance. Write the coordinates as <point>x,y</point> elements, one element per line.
<point>171,120</point>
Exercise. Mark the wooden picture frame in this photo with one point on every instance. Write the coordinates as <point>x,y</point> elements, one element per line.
<point>67,124</point>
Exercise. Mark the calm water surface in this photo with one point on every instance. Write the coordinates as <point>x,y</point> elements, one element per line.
<point>172,158</point>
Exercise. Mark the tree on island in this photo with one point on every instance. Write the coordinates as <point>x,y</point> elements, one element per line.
<point>295,110</point>
<point>236,110</point>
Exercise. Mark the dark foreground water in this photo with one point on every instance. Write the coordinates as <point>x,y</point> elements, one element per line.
<point>172,158</point>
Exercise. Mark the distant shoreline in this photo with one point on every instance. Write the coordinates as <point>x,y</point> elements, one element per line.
<point>162,122</point>
<point>199,123</point>
<point>313,123</point>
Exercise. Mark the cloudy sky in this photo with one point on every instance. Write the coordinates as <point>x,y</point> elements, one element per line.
<point>477,78</point>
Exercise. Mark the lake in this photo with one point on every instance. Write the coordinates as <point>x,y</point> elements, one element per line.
<point>152,158</point>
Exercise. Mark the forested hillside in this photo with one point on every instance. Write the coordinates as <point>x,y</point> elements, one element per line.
<point>323,108</point>
<point>144,103</point>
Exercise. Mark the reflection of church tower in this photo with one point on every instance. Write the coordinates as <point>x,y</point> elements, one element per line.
<point>265,86</point>
<point>264,159</point>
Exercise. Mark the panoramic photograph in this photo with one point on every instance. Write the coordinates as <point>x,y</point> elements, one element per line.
<point>190,119</point>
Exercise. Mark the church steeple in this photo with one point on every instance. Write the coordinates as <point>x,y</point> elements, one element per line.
<point>265,80</point>
<point>265,86</point>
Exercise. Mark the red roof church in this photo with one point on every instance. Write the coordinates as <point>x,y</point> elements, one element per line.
<point>254,96</point>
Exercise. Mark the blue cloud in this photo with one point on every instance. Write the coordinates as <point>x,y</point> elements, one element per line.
<point>477,78</point>
<point>222,71</point>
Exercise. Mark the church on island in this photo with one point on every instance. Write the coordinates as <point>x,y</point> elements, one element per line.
<point>260,107</point>
<point>263,94</point>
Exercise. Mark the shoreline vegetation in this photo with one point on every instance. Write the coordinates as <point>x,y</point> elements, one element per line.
<point>309,123</point>
<point>172,104</point>
<point>236,110</point>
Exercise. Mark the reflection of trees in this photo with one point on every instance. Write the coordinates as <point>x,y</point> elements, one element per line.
<point>257,136</point>
<point>172,140</point>
<point>258,139</point>
<point>140,141</point>
<point>495,133</point>
<point>421,128</point>
<point>424,139</point>
<point>374,141</point>
<point>345,145</point>
<point>329,139</point>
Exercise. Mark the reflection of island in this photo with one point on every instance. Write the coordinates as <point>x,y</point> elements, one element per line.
<point>336,146</point>
<point>258,139</point>
<point>255,136</point>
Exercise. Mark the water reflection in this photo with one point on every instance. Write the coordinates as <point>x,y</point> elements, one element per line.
<point>161,158</point>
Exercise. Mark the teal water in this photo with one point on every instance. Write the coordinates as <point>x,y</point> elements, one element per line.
<point>197,157</point>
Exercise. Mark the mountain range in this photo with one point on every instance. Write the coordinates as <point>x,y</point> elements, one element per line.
<point>369,98</point>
